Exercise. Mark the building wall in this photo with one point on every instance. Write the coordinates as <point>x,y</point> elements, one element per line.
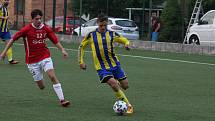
<point>48,8</point>
<point>28,9</point>
<point>38,4</point>
<point>10,9</point>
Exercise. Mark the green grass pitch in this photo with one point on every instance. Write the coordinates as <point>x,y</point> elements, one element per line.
<point>163,87</point>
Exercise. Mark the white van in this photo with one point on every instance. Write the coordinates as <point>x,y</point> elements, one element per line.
<point>203,32</point>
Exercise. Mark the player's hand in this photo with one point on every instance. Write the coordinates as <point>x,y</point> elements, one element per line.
<point>83,66</point>
<point>6,17</point>
<point>127,47</point>
<point>65,54</point>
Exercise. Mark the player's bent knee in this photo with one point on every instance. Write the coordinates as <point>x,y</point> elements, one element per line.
<point>125,87</point>
<point>124,84</point>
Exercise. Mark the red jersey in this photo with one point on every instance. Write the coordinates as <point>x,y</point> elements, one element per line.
<point>34,41</point>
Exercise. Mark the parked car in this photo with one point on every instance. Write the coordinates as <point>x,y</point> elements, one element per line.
<point>203,32</point>
<point>71,24</point>
<point>125,27</point>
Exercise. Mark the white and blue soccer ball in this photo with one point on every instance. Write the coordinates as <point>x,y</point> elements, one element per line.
<point>120,107</point>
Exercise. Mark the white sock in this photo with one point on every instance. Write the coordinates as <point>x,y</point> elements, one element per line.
<point>58,91</point>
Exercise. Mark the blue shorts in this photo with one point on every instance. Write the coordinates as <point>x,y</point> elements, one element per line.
<point>116,72</point>
<point>5,36</point>
<point>155,36</point>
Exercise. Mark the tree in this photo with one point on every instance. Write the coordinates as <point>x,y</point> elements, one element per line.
<point>114,8</point>
<point>171,22</point>
<point>208,5</point>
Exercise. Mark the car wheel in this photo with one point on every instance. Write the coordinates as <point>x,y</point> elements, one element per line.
<point>194,40</point>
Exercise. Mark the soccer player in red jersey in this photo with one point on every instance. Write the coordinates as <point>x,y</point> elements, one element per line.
<point>37,54</point>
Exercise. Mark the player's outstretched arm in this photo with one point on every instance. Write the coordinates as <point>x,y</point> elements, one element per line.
<point>120,39</point>
<point>60,47</point>
<point>81,49</point>
<point>127,47</point>
<point>81,58</point>
<point>9,44</point>
<point>4,17</point>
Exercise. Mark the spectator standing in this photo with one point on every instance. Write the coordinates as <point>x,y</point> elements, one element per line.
<point>156,25</point>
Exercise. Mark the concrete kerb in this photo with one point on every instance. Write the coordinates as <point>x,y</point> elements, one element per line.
<point>174,47</point>
<point>154,46</point>
<point>158,46</point>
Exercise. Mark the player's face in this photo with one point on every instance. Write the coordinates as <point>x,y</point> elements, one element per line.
<point>37,20</point>
<point>154,15</point>
<point>102,26</point>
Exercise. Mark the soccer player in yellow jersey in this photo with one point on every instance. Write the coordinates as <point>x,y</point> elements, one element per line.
<point>106,62</point>
<point>4,31</point>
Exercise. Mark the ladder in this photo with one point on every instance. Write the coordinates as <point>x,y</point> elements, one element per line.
<point>194,17</point>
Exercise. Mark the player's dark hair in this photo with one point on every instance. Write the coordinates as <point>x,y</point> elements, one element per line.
<point>36,12</point>
<point>102,17</point>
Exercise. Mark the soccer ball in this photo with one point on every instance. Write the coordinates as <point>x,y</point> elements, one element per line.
<point>120,107</point>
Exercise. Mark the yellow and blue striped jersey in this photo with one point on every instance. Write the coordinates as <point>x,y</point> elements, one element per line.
<point>102,45</point>
<point>3,22</point>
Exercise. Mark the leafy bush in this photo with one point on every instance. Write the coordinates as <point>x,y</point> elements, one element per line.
<point>171,23</point>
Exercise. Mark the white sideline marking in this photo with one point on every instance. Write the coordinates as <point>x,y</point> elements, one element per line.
<point>172,60</point>
<point>144,57</point>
